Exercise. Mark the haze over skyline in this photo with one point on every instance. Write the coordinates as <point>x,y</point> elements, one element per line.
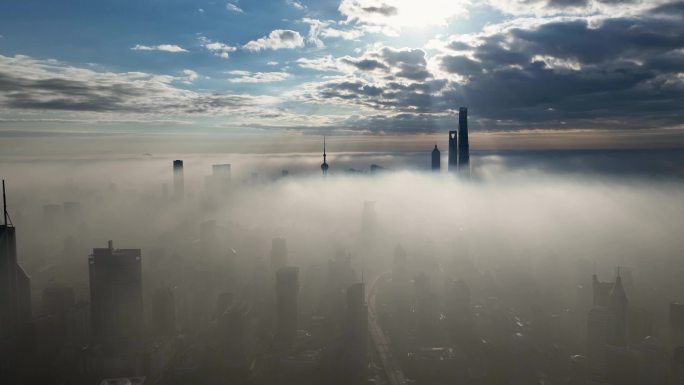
<point>342,192</point>
<point>576,74</point>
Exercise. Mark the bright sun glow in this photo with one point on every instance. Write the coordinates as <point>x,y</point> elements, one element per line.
<point>403,13</point>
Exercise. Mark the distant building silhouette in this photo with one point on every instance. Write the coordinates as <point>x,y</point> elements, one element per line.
<point>606,323</point>
<point>677,366</point>
<point>453,151</point>
<point>369,219</point>
<point>219,180</point>
<point>401,283</point>
<point>221,171</point>
<point>601,291</point>
<point>578,373</point>
<point>356,334</point>
<point>78,324</point>
<point>425,309</point>
<point>164,312</point>
<point>676,325</point>
<point>374,169</point>
<point>653,365</point>
<point>15,291</point>
<point>56,303</point>
<point>278,253</point>
<point>116,293</point>
<point>178,182</point>
<point>230,343</point>
<point>436,160</point>
<point>459,312</point>
<point>617,303</point>
<point>287,291</point>
<point>622,366</point>
<point>599,328</point>
<point>57,299</point>
<point>72,211</point>
<point>324,165</point>
<point>51,214</point>
<point>463,145</point>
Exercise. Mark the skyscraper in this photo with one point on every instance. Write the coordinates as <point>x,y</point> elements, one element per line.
<point>278,253</point>
<point>56,303</point>
<point>220,177</point>
<point>221,171</point>
<point>178,183</point>
<point>116,293</point>
<point>15,288</point>
<point>287,290</point>
<point>453,151</point>
<point>600,323</point>
<point>677,368</point>
<point>459,312</point>
<point>606,322</point>
<point>617,303</point>
<point>436,165</point>
<point>164,312</point>
<point>324,166</point>
<point>463,145</point>
<point>356,334</point>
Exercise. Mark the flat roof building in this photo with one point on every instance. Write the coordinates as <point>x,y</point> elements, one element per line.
<point>116,293</point>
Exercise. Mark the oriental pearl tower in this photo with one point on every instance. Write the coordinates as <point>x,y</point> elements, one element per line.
<point>324,166</point>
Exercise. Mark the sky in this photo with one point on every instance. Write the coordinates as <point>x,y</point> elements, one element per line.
<point>380,68</point>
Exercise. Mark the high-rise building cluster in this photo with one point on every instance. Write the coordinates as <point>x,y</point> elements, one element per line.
<point>459,148</point>
<point>213,300</point>
<point>15,296</point>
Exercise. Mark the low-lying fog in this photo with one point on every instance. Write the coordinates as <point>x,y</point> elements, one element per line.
<point>554,217</point>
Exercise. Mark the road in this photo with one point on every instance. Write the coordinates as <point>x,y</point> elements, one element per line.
<point>389,364</point>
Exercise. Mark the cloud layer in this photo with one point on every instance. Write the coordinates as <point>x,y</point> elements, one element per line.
<point>29,84</point>
<point>386,66</point>
<point>612,72</point>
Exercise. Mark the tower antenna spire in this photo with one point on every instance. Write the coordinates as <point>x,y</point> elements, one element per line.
<point>324,166</point>
<point>4,203</point>
<point>5,214</point>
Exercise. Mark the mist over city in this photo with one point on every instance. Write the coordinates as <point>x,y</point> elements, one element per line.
<point>342,192</point>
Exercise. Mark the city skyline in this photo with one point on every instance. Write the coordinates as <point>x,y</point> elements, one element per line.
<point>222,282</point>
<point>342,192</point>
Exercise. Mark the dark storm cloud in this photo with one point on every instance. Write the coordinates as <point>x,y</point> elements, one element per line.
<point>63,94</point>
<point>394,96</point>
<point>461,65</point>
<point>614,39</point>
<point>583,3</point>
<point>671,9</point>
<point>365,64</point>
<point>403,63</point>
<point>384,10</point>
<point>458,45</point>
<point>411,63</point>
<point>402,123</point>
<point>622,72</point>
<point>567,3</point>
